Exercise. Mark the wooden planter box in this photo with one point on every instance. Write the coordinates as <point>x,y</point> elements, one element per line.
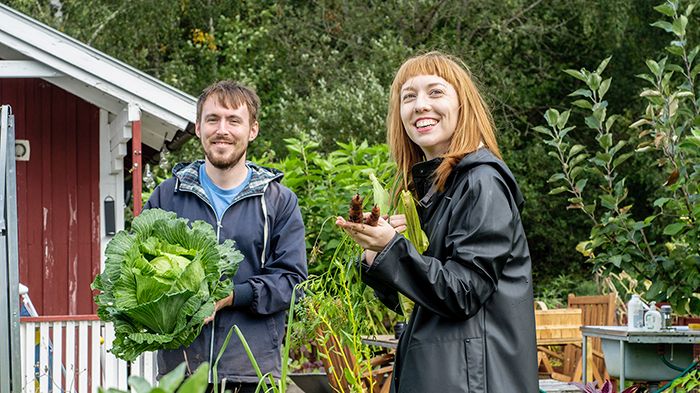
<point>558,326</point>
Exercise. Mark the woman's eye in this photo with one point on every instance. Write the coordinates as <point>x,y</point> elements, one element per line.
<point>407,97</point>
<point>435,92</point>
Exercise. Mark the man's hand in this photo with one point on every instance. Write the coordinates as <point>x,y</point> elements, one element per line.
<point>225,302</point>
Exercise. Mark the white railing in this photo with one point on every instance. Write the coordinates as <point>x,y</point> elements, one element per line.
<point>68,354</point>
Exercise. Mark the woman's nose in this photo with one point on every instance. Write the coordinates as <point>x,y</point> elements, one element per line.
<point>422,104</point>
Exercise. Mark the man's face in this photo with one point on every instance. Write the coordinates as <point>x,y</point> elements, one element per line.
<point>225,133</point>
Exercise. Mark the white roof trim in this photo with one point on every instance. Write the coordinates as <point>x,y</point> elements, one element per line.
<point>98,73</point>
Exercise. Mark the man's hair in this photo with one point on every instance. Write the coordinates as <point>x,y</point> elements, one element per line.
<point>474,122</point>
<point>231,94</point>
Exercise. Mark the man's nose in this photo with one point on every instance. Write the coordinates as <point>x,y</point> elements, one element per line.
<point>221,126</point>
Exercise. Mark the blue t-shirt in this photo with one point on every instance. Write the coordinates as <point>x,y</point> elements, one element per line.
<point>219,197</point>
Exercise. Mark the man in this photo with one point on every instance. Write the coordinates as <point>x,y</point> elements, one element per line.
<point>244,202</point>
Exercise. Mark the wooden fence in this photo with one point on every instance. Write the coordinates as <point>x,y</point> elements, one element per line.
<point>70,354</point>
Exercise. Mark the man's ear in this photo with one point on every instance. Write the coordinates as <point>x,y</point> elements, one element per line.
<point>254,131</point>
<point>196,130</point>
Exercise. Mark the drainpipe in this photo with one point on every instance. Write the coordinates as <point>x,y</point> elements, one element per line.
<point>136,177</point>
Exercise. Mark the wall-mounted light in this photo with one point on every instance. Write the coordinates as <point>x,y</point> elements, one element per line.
<point>110,221</point>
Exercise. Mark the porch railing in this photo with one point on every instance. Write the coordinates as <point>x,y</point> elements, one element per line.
<point>69,354</point>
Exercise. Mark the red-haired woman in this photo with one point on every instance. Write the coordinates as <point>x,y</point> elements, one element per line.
<point>472,328</point>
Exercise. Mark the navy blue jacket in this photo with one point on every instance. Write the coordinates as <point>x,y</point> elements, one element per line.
<point>265,222</point>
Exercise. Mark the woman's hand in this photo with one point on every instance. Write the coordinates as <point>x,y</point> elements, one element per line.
<point>373,239</point>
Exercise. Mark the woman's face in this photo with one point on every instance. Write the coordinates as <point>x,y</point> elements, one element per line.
<point>429,111</point>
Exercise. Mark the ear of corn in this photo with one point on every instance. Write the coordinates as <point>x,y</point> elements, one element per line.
<point>414,233</point>
<point>381,196</point>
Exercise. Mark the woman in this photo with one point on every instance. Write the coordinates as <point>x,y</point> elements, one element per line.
<point>472,328</point>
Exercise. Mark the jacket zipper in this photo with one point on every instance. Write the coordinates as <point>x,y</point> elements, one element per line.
<point>218,238</point>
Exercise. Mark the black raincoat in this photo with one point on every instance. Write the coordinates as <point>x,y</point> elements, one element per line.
<point>473,325</point>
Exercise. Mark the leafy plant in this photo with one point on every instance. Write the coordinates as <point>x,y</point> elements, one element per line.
<point>171,382</point>
<point>688,383</point>
<point>608,387</point>
<point>161,281</point>
<point>660,250</point>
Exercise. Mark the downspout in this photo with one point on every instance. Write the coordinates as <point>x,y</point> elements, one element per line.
<point>136,156</point>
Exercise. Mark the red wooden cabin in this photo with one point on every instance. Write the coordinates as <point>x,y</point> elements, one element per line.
<point>76,109</point>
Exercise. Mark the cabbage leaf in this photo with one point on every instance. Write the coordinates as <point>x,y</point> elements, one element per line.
<point>161,280</point>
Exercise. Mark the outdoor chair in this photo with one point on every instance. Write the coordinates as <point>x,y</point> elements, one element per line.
<point>596,311</point>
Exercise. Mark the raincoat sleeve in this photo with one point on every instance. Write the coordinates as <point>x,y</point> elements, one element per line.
<point>481,229</point>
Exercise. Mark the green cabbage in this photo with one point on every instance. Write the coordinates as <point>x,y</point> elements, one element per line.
<point>161,281</point>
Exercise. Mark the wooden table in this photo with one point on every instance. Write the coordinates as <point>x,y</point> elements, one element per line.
<point>385,362</point>
<point>383,340</point>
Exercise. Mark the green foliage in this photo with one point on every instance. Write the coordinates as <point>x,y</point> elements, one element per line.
<point>171,382</point>
<point>688,383</point>
<point>325,183</point>
<point>660,250</point>
<point>336,312</point>
<point>554,292</point>
<point>161,281</point>
<point>323,68</point>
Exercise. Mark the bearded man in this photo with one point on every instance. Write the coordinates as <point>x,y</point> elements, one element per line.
<point>244,202</point>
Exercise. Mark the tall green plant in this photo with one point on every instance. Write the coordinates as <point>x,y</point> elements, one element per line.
<point>660,250</point>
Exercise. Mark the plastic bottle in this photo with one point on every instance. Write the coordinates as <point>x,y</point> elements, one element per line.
<point>652,318</point>
<point>635,313</point>
<point>666,316</point>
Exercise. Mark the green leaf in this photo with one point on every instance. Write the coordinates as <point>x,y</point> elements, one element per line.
<point>543,130</point>
<point>197,382</point>
<point>563,118</point>
<point>576,74</point>
<point>663,25</point>
<point>581,184</point>
<point>609,123</point>
<point>582,92</point>
<point>674,229</point>
<point>679,25</point>
<point>552,117</point>
<point>605,141</point>
<point>655,289</point>
<point>584,104</point>
<point>139,385</point>
<point>556,177</point>
<point>558,190</point>
<point>575,149</point>
<point>616,260</point>
<point>604,86</point>
<point>622,158</point>
<point>602,65</point>
<point>660,202</point>
<point>654,67</point>
<point>592,122</point>
<point>170,381</point>
<point>666,9</point>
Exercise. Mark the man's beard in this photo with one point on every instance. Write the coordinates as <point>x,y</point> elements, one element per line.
<point>224,162</point>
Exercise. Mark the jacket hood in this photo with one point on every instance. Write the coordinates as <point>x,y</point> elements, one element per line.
<point>187,175</point>
<point>484,156</point>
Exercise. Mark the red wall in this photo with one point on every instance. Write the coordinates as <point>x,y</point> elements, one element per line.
<point>57,195</point>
